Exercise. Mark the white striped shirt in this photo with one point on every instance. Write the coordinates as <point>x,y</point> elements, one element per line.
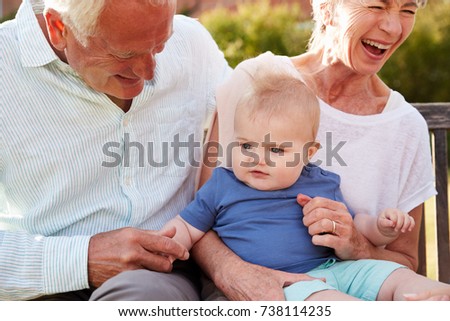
<point>61,179</point>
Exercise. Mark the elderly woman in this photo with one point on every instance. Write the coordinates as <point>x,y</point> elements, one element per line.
<point>370,136</point>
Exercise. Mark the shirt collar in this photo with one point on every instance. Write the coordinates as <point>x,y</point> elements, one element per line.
<point>35,50</point>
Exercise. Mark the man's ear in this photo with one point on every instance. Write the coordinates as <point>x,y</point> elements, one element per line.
<point>56,29</point>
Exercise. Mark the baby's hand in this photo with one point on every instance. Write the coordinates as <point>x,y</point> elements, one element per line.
<point>392,222</point>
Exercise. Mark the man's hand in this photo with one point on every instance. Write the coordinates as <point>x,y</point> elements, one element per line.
<point>251,282</point>
<point>113,252</point>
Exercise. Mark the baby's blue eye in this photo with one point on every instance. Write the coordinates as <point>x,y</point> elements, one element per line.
<point>276,150</point>
<point>246,146</point>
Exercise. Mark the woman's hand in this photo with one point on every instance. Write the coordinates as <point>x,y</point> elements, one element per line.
<point>330,224</point>
<point>347,242</point>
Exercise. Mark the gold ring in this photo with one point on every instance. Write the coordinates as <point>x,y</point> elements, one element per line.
<point>334,227</point>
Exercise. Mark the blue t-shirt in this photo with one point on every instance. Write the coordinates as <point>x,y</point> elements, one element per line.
<point>264,227</point>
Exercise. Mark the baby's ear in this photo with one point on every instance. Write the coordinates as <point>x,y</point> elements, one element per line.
<point>313,147</point>
<point>56,29</point>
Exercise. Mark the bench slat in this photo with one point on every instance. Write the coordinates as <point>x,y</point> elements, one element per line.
<point>437,116</point>
<point>440,141</point>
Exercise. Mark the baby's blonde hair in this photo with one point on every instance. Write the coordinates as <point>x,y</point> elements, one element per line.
<point>278,93</point>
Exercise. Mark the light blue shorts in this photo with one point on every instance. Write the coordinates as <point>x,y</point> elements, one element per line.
<point>361,279</point>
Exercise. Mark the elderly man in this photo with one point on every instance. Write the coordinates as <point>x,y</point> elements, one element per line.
<point>103,107</point>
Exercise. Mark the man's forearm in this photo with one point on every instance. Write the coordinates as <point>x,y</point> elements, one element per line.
<point>211,254</point>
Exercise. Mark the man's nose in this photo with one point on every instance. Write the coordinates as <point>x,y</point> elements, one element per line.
<point>144,66</point>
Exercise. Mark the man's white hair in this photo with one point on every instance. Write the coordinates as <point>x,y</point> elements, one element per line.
<point>81,16</point>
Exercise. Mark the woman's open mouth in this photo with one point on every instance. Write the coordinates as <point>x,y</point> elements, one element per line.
<point>375,48</point>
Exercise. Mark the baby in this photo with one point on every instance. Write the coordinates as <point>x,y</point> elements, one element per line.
<point>253,207</point>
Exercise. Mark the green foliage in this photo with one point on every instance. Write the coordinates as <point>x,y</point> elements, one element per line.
<point>8,17</point>
<point>420,69</point>
<point>258,27</point>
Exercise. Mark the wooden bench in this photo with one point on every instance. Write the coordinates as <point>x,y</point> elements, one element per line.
<point>437,116</point>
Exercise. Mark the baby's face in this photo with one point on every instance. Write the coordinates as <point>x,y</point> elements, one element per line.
<point>271,153</point>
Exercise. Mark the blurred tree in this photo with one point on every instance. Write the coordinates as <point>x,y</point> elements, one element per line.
<point>258,27</point>
<point>420,69</point>
<point>8,17</point>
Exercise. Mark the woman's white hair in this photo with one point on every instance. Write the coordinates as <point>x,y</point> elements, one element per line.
<point>318,35</point>
<point>82,15</point>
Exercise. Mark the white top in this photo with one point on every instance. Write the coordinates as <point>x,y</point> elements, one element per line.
<point>384,160</point>
<point>70,162</point>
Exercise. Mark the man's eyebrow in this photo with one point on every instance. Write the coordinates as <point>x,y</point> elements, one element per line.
<point>129,54</point>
